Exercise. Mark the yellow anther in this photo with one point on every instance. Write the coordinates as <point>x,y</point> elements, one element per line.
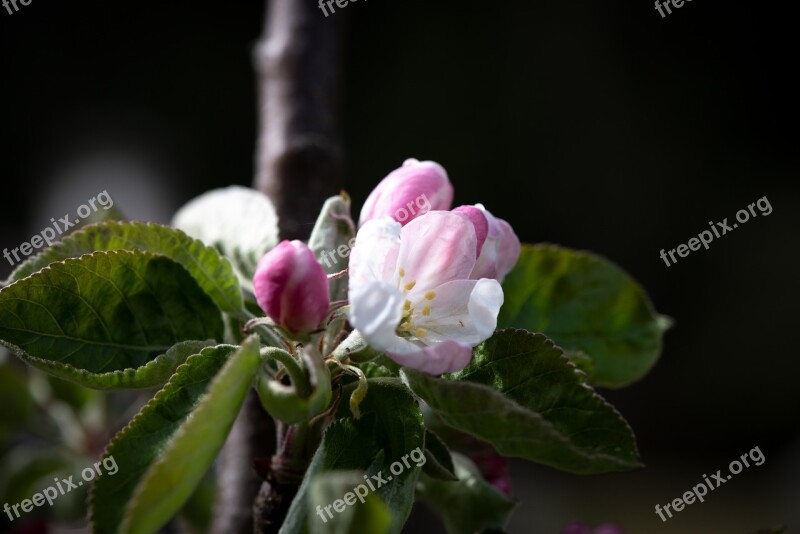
<point>402,272</point>
<point>420,332</point>
<point>409,286</point>
<point>430,295</point>
<point>426,310</point>
<point>407,305</point>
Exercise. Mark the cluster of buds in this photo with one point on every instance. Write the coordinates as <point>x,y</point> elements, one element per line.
<point>424,279</point>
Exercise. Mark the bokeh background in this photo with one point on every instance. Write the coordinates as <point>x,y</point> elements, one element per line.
<point>595,125</point>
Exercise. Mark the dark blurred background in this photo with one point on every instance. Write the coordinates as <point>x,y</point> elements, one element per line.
<point>595,125</point>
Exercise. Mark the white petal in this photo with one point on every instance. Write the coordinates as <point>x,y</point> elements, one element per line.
<point>486,266</point>
<point>463,310</point>
<point>445,357</point>
<point>484,306</point>
<point>376,310</point>
<point>374,254</point>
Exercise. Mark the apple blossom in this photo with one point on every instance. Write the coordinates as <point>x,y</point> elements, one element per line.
<point>409,192</point>
<point>292,287</point>
<point>411,294</point>
<point>501,247</point>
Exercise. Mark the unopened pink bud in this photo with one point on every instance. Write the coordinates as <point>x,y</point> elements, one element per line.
<point>500,251</point>
<point>408,192</point>
<point>292,287</point>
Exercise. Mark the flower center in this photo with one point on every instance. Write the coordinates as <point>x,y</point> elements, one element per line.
<point>407,328</point>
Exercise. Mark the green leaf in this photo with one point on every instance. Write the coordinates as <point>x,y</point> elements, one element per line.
<point>585,303</point>
<point>331,241</point>
<point>240,222</point>
<point>212,272</point>
<point>167,448</point>
<point>152,374</point>
<point>582,361</point>
<point>105,312</point>
<point>438,460</point>
<point>469,505</point>
<point>370,517</point>
<point>389,429</point>
<point>522,395</point>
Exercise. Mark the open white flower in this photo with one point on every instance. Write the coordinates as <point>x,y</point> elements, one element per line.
<point>410,292</point>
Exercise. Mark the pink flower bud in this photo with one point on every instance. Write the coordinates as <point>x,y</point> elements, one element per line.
<point>500,251</point>
<point>292,287</point>
<point>408,192</point>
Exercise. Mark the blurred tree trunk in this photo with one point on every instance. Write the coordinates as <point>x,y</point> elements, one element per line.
<point>299,155</point>
<point>299,164</point>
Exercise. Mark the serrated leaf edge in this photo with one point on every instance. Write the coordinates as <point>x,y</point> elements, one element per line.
<point>66,371</point>
<point>146,225</point>
<point>528,412</point>
<point>119,435</point>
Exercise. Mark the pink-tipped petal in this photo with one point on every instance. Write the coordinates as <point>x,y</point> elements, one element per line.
<point>479,221</point>
<point>500,252</point>
<point>508,249</point>
<point>409,192</point>
<point>434,249</point>
<point>446,357</point>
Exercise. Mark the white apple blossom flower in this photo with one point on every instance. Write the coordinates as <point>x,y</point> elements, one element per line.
<point>411,294</point>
